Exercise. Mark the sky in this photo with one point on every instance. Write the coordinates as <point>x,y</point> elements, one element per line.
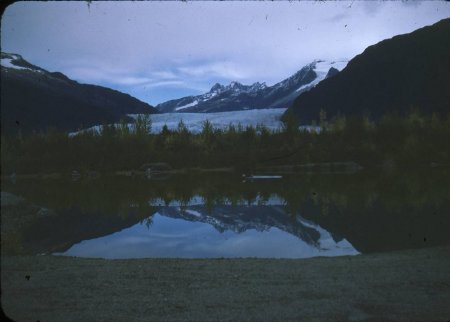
<point>157,51</point>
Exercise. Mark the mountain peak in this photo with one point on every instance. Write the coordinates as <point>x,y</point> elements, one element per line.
<point>236,96</point>
<point>69,103</point>
<point>10,56</point>
<point>409,70</point>
<point>216,88</point>
<point>257,86</point>
<point>331,72</point>
<point>235,84</point>
<point>16,61</point>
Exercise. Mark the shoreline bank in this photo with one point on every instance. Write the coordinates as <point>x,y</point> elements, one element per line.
<point>400,285</point>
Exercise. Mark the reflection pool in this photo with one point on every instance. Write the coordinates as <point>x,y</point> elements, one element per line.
<point>225,232</point>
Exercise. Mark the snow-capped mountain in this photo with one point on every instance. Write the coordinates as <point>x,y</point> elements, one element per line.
<point>240,219</point>
<point>237,96</point>
<point>15,61</point>
<point>260,214</point>
<point>34,99</point>
<point>406,73</point>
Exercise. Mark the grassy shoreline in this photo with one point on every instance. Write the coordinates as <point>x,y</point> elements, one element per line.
<point>401,285</point>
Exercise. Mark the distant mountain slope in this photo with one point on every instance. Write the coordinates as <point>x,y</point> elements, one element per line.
<point>33,99</point>
<point>236,96</point>
<point>242,218</point>
<point>410,71</point>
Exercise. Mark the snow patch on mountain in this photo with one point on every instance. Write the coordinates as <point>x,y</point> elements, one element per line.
<point>326,241</point>
<point>187,105</point>
<point>15,61</point>
<point>321,68</point>
<point>237,97</point>
<point>193,212</point>
<point>8,63</point>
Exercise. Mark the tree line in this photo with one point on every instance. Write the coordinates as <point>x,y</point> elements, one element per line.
<point>394,141</point>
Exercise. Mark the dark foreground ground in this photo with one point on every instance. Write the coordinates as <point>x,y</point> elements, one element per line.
<point>408,285</point>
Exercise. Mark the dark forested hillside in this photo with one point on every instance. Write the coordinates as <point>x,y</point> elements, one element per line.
<point>407,72</point>
<point>33,99</point>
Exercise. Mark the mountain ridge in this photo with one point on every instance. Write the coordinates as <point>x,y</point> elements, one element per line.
<point>236,96</point>
<point>53,100</point>
<point>407,72</point>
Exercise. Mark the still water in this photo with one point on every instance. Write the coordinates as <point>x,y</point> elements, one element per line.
<point>226,231</point>
<point>215,216</point>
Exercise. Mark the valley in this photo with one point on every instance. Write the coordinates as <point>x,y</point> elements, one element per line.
<point>223,161</point>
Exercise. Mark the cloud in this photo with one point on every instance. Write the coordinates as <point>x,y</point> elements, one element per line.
<point>372,7</point>
<point>99,74</point>
<point>163,74</point>
<point>338,17</point>
<point>176,83</point>
<point>190,46</point>
<point>219,69</point>
<point>132,81</point>
<point>120,79</point>
<point>411,3</point>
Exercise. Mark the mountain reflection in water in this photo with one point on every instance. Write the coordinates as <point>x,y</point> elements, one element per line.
<point>373,212</point>
<point>227,231</point>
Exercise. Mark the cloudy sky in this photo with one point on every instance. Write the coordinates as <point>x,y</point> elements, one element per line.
<point>158,51</point>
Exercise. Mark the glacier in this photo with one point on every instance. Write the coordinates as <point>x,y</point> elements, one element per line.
<point>187,105</point>
<point>270,118</point>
